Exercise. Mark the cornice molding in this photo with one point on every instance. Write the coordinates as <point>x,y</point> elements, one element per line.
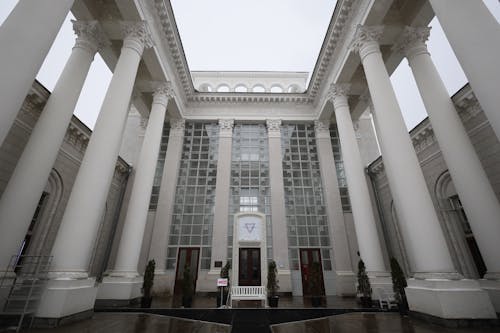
<point>334,35</point>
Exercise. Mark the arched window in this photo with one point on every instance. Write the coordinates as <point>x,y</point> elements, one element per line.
<point>276,89</point>
<point>258,88</point>
<point>241,88</point>
<point>223,88</point>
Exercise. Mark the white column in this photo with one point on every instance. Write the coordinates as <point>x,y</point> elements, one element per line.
<point>125,282</point>
<point>469,178</point>
<point>164,211</point>
<point>33,168</point>
<point>408,187</point>
<point>474,35</point>
<point>422,233</point>
<point>222,192</point>
<point>338,234</point>
<point>74,242</point>
<point>364,220</point>
<point>26,37</point>
<point>278,214</point>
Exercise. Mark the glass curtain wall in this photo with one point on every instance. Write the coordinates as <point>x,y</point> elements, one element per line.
<point>307,222</point>
<point>339,166</point>
<point>193,217</point>
<point>250,189</point>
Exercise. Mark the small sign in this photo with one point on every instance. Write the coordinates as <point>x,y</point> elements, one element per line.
<point>221,282</point>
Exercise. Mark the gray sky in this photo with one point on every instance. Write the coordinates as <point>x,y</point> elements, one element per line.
<point>252,35</point>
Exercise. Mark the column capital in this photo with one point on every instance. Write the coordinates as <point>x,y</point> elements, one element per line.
<point>162,92</point>
<point>177,127</point>
<point>90,36</point>
<point>338,93</point>
<point>273,128</point>
<point>136,35</point>
<point>365,40</point>
<point>413,41</point>
<point>322,129</point>
<point>226,128</point>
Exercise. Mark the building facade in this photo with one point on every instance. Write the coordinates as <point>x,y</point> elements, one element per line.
<point>254,166</point>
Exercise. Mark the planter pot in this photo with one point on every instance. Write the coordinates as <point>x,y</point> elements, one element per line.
<point>224,300</point>
<point>273,301</point>
<point>146,302</point>
<point>187,301</point>
<point>316,301</point>
<point>366,302</point>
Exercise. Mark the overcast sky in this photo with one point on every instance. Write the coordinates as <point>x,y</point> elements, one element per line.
<point>252,35</point>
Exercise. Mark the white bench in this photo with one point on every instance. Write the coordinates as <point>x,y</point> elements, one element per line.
<point>248,293</point>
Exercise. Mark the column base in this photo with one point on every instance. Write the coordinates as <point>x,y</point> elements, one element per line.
<point>164,283</point>
<point>64,297</point>
<point>285,280</point>
<point>380,280</point>
<point>492,287</point>
<point>449,299</point>
<point>345,283</point>
<point>119,290</point>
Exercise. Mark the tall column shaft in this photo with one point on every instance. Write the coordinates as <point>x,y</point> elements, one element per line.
<point>29,178</point>
<point>469,178</point>
<point>477,47</point>
<point>338,233</point>
<point>278,215</point>
<point>163,218</point>
<point>73,246</point>
<point>26,37</point>
<point>130,245</point>
<point>222,189</point>
<point>418,218</point>
<point>366,230</point>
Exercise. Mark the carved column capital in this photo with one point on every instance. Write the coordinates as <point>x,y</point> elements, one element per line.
<point>322,129</point>
<point>226,128</point>
<point>177,127</point>
<point>90,36</point>
<point>338,93</point>
<point>273,128</point>
<point>136,36</point>
<point>162,92</point>
<point>413,41</point>
<point>366,39</point>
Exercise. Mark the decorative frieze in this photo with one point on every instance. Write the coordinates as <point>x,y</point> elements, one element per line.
<point>468,107</point>
<point>77,138</point>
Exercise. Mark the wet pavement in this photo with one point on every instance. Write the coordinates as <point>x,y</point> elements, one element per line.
<point>135,323</point>
<point>345,323</point>
<point>371,323</point>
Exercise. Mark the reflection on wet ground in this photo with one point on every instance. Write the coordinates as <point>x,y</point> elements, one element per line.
<point>135,323</point>
<point>371,323</point>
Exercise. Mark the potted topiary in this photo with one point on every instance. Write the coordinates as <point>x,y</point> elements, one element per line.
<point>272,285</point>
<point>187,287</point>
<point>315,284</point>
<point>398,286</point>
<point>147,284</point>
<point>364,287</point>
<point>224,274</point>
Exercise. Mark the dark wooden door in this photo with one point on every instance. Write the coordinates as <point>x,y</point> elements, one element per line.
<point>249,267</point>
<point>187,257</point>
<point>307,258</point>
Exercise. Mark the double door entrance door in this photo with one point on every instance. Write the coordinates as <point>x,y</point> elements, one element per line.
<point>249,267</point>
